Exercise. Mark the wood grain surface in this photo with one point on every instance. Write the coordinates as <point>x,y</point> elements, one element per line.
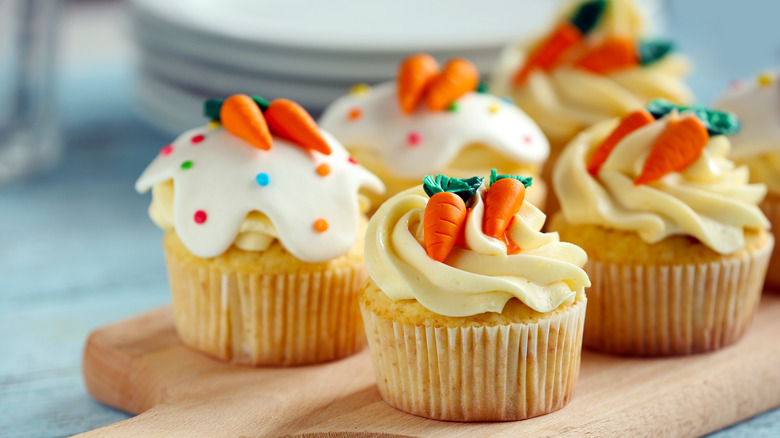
<point>140,366</point>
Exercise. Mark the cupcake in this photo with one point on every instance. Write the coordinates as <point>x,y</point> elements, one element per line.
<point>472,313</point>
<point>263,234</point>
<point>757,145</point>
<point>677,246</point>
<point>593,65</point>
<point>435,120</point>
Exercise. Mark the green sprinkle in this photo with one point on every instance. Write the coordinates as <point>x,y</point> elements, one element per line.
<point>716,122</point>
<point>453,107</point>
<point>482,87</point>
<point>526,180</point>
<point>588,15</point>
<point>465,188</point>
<point>651,51</point>
<point>186,165</point>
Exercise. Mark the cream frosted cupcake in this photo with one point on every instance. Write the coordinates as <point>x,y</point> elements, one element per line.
<point>595,64</point>
<point>436,120</point>
<point>677,246</point>
<point>757,145</point>
<point>263,234</point>
<point>472,313</point>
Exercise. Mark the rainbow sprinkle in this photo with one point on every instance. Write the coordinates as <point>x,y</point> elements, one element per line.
<point>199,217</point>
<point>263,179</point>
<point>765,80</point>
<point>321,225</point>
<point>361,90</point>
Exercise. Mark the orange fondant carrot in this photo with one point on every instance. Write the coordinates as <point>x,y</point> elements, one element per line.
<point>458,77</point>
<point>415,74</point>
<point>613,54</point>
<point>241,116</point>
<point>627,125</point>
<point>445,216</point>
<point>502,202</point>
<point>547,54</point>
<point>290,121</point>
<point>675,149</point>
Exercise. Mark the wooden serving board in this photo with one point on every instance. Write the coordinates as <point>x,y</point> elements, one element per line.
<point>140,366</point>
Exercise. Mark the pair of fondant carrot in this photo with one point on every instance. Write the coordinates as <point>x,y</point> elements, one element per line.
<point>678,146</point>
<point>419,78</point>
<point>241,116</point>
<point>563,38</point>
<point>446,212</point>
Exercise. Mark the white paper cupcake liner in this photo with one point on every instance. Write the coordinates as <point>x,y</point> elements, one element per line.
<point>658,310</point>
<point>771,208</point>
<point>254,319</point>
<point>499,373</point>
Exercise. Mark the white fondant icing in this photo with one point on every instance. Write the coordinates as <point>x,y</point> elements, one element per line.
<point>758,109</point>
<point>479,119</point>
<point>222,183</point>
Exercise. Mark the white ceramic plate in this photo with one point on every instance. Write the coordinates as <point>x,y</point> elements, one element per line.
<point>321,66</point>
<point>388,26</point>
<point>220,82</point>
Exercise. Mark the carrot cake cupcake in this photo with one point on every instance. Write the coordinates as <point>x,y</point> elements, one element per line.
<point>594,64</point>
<point>757,145</point>
<point>263,234</point>
<point>677,245</point>
<point>472,313</point>
<point>436,119</point>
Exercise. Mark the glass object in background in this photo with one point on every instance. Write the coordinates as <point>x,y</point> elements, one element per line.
<point>29,129</point>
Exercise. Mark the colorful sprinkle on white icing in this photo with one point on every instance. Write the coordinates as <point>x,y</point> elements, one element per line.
<point>757,105</point>
<point>384,128</point>
<point>224,187</point>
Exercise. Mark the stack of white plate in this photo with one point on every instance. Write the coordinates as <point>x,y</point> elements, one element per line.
<point>307,50</point>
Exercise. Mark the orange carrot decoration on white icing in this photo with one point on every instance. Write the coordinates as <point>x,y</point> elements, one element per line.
<point>241,116</point>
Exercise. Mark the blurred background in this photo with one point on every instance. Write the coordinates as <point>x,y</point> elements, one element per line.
<point>90,90</point>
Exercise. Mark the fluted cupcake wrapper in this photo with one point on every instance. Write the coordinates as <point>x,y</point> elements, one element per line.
<point>499,373</point>
<point>659,310</point>
<point>253,319</point>
<point>771,208</point>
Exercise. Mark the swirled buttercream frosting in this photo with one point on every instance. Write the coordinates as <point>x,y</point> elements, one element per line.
<point>666,177</point>
<point>481,273</point>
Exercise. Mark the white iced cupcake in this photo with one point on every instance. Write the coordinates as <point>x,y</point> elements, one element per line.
<point>263,235</point>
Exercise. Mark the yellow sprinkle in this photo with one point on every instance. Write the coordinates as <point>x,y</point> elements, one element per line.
<point>493,108</point>
<point>214,124</point>
<point>360,90</point>
<point>765,79</point>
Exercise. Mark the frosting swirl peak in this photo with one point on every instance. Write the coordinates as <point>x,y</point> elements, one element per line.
<point>476,277</point>
<point>710,199</point>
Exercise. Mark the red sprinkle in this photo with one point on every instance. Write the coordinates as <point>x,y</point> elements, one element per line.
<point>413,138</point>
<point>352,160</point>
<point>166,150</point>
<point>197,139</point>
<point>200,217</point>
<point>527,138</point>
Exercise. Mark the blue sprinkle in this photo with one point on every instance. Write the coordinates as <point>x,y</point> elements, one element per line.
<point>507,99</point>
<point>263,179</point>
